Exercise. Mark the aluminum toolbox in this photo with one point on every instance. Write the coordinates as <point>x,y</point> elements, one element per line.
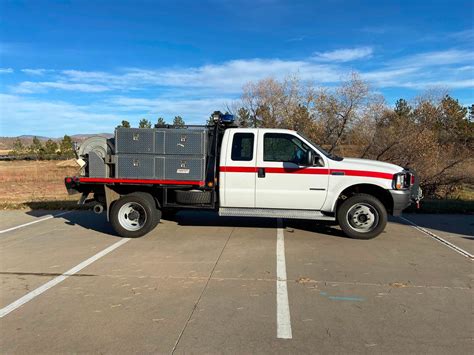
<point>135,141</point>
<point>185,141</point>
<point>161,141</point>
<point>135,166</point>
<point>146,166</point>
<point>185,168</point>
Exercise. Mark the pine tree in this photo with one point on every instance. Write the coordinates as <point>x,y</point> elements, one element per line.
<point>243,117</point>
<point>18,147</point>
<point>160,122</point>
<point>50,147</point>
<point>125,124</point>
<point>402,108</point>
<point>178,121</point>
<point>144,123</point>
<point>66,147</point>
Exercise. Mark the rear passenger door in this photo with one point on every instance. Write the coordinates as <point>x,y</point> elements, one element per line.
<point>238,174</point>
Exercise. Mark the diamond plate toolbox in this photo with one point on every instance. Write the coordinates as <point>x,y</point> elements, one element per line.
<point>136,166</point>
<point>161,141</point>
<point>141,166</point>
<point>185,141</point>
<point>135,141</point>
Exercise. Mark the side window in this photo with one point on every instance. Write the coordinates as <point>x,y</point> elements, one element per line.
<point>284,148</point>
<point>242,147</point>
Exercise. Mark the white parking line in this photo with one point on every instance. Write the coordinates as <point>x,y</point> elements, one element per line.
<point>37,221</point>
<point>36,292</point>
<point>283,307</point>
<point>439,239</point>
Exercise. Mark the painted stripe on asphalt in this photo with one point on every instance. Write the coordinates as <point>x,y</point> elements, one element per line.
<point>29,296</point>
<point>439,239</point>
<point>33,222</point>
<point>283,307</point>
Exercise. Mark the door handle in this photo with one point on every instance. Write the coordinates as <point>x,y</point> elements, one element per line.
<point>261,172</point>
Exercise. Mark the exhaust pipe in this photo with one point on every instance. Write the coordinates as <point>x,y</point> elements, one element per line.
<point>98,208</point>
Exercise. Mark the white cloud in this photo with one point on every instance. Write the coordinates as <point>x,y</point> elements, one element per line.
<point>195,111</point>
<point>31,87</point>
<point>38,72</point>
<point>227,77</point>
<point>449,84</point>
<point>436,58</point>
<point>344,55</point>
<point>6,70</point>
<point>53,118</point>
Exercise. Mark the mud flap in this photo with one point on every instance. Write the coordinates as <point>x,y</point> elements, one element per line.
<point>110,197</point>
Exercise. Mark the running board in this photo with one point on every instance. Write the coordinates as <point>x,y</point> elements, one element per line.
<point>274,213</point>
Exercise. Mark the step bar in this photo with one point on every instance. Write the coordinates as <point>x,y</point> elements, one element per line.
<point>274,213</point>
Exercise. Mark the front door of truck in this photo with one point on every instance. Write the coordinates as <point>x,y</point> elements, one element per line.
<point>283,178</point>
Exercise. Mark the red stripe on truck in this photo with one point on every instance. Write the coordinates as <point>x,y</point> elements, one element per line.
<point>141,181</point>
<point>237,169</point>
<point>270,170</point>
<point>374,174</point>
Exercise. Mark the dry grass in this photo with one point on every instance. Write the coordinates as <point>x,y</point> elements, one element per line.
<point>24,182</point>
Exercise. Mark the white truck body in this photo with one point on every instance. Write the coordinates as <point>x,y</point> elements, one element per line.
<point>288,185</point>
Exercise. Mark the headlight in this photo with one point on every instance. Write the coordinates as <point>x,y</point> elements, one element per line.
<point>399,181</point>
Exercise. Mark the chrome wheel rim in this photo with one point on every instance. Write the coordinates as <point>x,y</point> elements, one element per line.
<point>132,216</point>
<point>362,217</point>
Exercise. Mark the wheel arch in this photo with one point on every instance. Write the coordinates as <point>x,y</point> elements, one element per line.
<point>113,193</point>
<point>371,189</point>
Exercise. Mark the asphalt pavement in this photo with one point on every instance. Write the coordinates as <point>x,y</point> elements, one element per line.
<point>200,283</point>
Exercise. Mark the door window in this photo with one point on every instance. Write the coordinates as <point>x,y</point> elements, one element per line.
<point>285,148</point>
<point>242,147</point>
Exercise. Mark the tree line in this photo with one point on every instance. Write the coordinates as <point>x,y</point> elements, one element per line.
<point>432,134</point>
<point>178,121</point>
<point>50,150</point>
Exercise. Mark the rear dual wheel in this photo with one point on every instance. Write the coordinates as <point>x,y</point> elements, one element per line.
<point>362,216</point>
<point>134,215</point>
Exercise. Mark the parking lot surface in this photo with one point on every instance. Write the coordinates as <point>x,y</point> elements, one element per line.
<point>199,283</point>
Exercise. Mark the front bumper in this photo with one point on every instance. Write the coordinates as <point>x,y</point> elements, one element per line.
<point>401,200</point>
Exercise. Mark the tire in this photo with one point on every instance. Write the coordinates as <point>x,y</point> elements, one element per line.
<point>145,217</point>
<point>193,197</point>
<point>362,216</point>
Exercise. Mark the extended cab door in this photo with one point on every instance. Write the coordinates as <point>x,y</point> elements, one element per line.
<point>237,172</point>
<point>283,180</point>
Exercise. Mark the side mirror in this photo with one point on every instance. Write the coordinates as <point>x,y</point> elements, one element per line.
<point>310,158</point>
<point>313,159</point>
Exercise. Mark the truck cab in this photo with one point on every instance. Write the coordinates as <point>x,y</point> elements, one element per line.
<point>281,173</point>
<point>245,172</point>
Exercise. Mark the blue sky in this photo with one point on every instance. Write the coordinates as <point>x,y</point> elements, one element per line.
<point>83,66</point>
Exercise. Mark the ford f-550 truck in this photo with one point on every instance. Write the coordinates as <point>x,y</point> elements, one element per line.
<point>246,172</point>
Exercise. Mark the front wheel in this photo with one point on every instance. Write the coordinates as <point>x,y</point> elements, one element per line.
<point>134,215</point>
<point>362,216</point>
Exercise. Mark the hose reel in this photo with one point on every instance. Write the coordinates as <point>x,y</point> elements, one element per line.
<point>95,151</point>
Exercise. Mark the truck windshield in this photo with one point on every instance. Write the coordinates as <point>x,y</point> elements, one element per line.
<point>328,155</point>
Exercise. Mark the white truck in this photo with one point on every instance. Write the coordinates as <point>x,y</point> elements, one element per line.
<point>245,172</point>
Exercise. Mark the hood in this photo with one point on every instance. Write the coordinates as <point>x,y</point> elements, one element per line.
<point>367,164</point>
